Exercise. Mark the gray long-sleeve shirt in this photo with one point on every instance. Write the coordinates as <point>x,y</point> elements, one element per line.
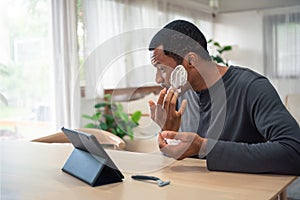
<point>247,126</point>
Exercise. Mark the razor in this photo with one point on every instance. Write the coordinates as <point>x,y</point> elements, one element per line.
<point>159,182</point>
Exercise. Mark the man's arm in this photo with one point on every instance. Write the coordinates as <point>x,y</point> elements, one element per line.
<point>280,154</point>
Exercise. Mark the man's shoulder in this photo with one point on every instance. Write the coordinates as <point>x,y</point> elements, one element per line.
<point>244,75</point>
<point>246,72</point>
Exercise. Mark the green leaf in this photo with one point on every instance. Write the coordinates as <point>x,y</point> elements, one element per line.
<point>109,118</point>
<point>90,125</point>
<point>120,107</point>
<point>121,124</point>
<point>113,131</point>
<point>87,117</point>
<point>131,136</point>
<point>217,44</point>
<point>218,59</point>
<point>123,116</point>
<point>136,116</point>
<point>120,132</point>
<point>103,126</point>
<point>101,105</point>
<point>227,48</point>
<point>130,132</point>
<point>209,41</point>
<point>133,124</point>
<point>107,96</point>
<point>95,117</point>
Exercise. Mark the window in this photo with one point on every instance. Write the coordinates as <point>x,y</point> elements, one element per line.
<point>25,54</point>
<point>282,45</point>
<point>107,21</point>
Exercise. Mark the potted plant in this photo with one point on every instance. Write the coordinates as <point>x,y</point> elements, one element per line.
<point>109,116</point>
<point>218,50</point>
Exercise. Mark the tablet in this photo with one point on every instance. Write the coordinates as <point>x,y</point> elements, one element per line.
<point>91,159</point>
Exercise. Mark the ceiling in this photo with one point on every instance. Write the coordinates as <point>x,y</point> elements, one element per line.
<point>226,6</point>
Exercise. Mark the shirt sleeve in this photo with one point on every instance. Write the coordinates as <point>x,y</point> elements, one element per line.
<point>280,154</point>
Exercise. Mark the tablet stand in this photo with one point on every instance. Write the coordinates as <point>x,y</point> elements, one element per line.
<point>90,168</point>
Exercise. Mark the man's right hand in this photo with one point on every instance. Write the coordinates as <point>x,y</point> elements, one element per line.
<point>189,144</point>
<point>164,112</point>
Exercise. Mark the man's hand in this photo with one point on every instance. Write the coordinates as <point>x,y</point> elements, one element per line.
<point>190,144</point>
<point>164,111</point>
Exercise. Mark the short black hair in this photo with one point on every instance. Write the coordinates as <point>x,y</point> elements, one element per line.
<point>178,38</point>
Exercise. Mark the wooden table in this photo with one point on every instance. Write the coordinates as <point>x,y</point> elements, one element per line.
<point>33,171</point>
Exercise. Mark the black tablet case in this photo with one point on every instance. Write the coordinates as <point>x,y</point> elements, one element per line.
<point>89,162</point>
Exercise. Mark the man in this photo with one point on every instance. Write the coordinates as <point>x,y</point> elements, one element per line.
<point>230,115</point>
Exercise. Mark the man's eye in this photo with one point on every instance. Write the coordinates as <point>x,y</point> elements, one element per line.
<point>161,69</point>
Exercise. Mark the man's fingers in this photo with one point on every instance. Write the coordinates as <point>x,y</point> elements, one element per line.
<point>152,109</point>
<point>174,151</point>
<point>173,101</point>
<point>168,98</point>
<point>161,141</point>
<point>182,107</point>
<point>183,136</point>
<point>168,134</point>
<point>151,105</point>
<point>164,147</point>
<point>187,146</point>
<point>161,96</point>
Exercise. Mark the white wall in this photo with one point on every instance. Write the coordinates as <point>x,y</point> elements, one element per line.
<point>244,30</point>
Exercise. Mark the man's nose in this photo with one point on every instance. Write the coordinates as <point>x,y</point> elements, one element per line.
<point>159,79</point>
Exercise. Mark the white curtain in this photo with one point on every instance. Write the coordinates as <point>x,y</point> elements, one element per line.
<point>66,65</point>
<point>282,49</point>
<point>117,35</point>
<point>282,44</point>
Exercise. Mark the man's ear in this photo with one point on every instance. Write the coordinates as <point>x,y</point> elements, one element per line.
<point>191,59</point>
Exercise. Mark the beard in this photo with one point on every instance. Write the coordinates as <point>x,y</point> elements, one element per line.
<point>165,85</point>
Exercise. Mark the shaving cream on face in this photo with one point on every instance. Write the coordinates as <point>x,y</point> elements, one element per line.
<point>178,78</point>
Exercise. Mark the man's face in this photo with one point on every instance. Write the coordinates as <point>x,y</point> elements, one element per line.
<point>164,66</point>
